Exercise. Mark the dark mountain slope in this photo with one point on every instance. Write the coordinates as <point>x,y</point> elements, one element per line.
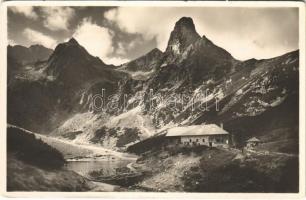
<point>72,65</point>
<point>35,166</point>
<point>190,60</point>
<point>44,94</point>
<point>33,151</point>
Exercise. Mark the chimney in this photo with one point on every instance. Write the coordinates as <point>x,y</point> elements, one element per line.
<point>221,125</point>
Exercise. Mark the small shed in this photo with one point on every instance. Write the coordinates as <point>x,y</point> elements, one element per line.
<point>206,134</point>
<point>252,142</point>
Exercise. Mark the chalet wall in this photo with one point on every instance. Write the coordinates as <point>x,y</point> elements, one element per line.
<point>214,140</point>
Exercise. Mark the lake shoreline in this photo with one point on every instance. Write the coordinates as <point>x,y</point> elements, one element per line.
<point>107,174</point>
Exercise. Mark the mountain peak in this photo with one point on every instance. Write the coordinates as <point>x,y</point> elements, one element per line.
<point>73,41</point>
<point>155,50</point>
<point>185,22</point>
<point>71,64</point>
<point>183,34</point>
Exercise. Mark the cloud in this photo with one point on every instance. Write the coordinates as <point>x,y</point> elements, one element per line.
<point>11,42</point>
<point>111,15</point>
<point>97,40</point>
<point>121,49</point>
<point>116,60</point>
<point>57,18</point>
<point>142,20</point>
<point>244,32</point>
<point>27,11</point>
<point>39,38</point>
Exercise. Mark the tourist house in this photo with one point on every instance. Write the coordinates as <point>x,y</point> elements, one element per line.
<point>208,134</point>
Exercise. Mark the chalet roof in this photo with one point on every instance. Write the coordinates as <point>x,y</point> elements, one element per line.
<point>253,139</point>
<point>207,129</point>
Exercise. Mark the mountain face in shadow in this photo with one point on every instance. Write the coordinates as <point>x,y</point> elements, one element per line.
<point>72,64</point>
<point>42,94</point>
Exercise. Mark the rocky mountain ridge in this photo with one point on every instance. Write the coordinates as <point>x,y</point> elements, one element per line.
<point>138,97</point>
<point>24,55</point>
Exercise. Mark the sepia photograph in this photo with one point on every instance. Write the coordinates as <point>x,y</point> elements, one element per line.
<point>162,98</point>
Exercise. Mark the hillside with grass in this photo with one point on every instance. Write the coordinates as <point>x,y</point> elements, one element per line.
<point>35,166</point>
<point>203,169</point>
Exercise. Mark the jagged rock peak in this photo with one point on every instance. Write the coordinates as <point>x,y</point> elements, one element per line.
<point>70,54</point>
<point>155,51</point>
<point>183,34</point>
<point>185,22</point>
<point>73,41</point>
<point>70,48</point>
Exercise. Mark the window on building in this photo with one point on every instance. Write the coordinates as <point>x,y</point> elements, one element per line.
<point>189,140</point>
<point>197,140</point>
<point>203,140</point>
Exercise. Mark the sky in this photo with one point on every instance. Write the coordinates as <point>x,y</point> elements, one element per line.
<point>121,34</point>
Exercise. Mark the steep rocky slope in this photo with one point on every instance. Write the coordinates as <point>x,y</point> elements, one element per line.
<point>43,94</point>
<point>143,67</point>
<point>144,63</point>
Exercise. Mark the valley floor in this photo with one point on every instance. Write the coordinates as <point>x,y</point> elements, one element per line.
<point>165,169</point>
